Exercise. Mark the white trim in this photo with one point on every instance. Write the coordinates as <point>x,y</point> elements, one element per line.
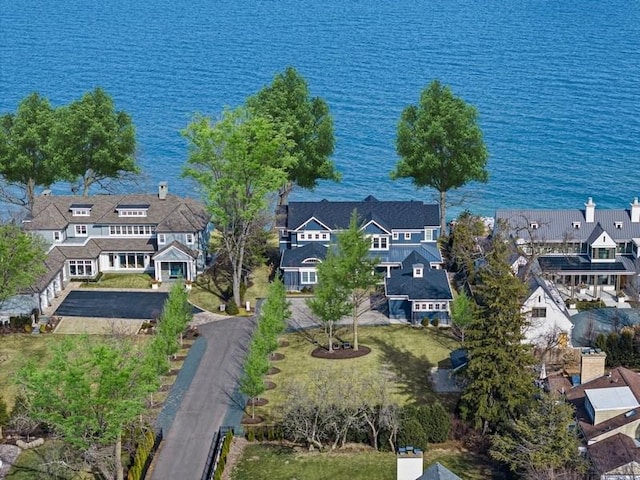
<point>308,273</point>
<point>162,239</point>
<point>189,238</point>
<point>316,220</point>
<point>78,228</point>
<point>377,225</point>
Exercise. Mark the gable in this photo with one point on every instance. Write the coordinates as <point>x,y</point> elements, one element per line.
<point>312,224</point>
<point>603,240</point>
<point>373,228</point>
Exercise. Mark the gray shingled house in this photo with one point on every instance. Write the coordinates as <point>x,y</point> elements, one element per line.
<point>160,234</point>
<point>403,237</point>
<point>592,248</point>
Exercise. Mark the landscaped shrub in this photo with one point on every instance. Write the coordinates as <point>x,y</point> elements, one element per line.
<point>18,323</point>
<point>143,450</point>
<point>435,322</point>
<point>438,425</point>
<point>412,433</point>
<point>232,308</point>
<point>424,424</point>
<point>226,446</point>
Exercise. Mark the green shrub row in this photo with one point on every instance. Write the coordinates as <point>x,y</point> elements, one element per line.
<point>226,446</point>
<point>143,450</point>
<point>262,433</point>
<point>421,425</point>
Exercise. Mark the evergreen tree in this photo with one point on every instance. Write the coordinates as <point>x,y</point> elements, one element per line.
<point>499,374</point>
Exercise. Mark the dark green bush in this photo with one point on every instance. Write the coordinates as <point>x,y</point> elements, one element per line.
<point>232,308</point>
<point>143,450</point>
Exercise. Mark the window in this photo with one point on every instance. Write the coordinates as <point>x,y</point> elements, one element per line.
<point>308,277</point>
<point>395,235</point>
<point>576,225</point>
<point>56,236</point>
<point>533,225</point>
<point>80,212</point>
<point>131,260</point>
<point>379,243</point>
<point>81,230</point>
<point>132,213</point>
<point>81,268</point>
<point>189,238</point>
<point>131,230</point>
<point>618,225</point>
<point>162,239</point>
<point>539,312</point>
<point>428,235</point>
<point>325,236</point>
<point>407,235</point>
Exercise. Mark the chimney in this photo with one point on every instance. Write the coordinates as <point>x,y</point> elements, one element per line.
<point>409,464</point>
<point>635,211</point>
<point>418,270</point>
<point>590,211</point>
<point>591,364</point>
<point>163,189</point>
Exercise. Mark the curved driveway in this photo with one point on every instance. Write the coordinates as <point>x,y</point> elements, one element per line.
<point>205,404</point>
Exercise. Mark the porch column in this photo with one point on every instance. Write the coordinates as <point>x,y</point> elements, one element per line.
<point>388,271</point>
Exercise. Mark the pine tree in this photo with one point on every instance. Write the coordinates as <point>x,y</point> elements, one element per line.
<point>500,378</point>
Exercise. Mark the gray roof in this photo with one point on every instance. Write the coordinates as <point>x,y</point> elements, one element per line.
<point>175,244</point>
<point>175,214</point>
<point>19,305</point>
<point>613,452</point>
<point>294,257</point>
<point>437,471</point>
<point>432,286</point>
<point>558,225</point>
<point>581,264</point>
<point>336,215</point>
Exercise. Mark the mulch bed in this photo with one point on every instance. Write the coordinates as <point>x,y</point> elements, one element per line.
<point>247,420</point>
<point>283,343</point>
<point>259,402</point>
<point>269,385</point>
<point>174,371</point>
<point>276,356</point>
<point>179,358</point>
<point>273,371</point>
<point>341,353</point>
<point>165,388</point>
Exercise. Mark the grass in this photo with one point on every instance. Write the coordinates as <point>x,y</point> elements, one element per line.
<point>15,351</point>
<point>404,354</point>
<point>40,463</point>
<point>98,326</point>
<point>120,280</point>
<point>267,461</point>
<point>206,295</point>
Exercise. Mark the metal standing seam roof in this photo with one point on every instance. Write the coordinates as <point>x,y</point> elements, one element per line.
<point>437,471</point>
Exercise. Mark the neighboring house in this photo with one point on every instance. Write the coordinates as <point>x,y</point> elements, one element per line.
<point>409,466</point>
<point>607,414</point>
<point>163,235</point>
<point>403,237</point>
<point>594,247</point>
<point>547,317</point>
<point>437,471</point>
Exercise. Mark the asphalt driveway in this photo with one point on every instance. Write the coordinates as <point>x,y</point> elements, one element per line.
<point>113,304</point>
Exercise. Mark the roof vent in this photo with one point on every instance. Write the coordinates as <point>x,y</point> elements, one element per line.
<point>46,193</point>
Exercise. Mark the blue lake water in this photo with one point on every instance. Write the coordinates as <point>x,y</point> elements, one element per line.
<point>557,84</point>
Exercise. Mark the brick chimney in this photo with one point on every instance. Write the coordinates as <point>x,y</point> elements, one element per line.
<point>409,464</point>
<point>163,189</point>
<point>590,211</point>
<point>635,211</point>
<point>591,364</point>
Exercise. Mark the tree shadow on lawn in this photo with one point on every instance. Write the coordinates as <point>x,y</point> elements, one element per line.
<point>412,372</point>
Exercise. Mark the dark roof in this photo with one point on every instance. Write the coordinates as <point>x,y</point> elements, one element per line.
<point>81,205</point>
<point>613,452</point>
<point>295,256</point>
<point>432,286</point>
<point>336,215</point>
<point>437,471</point>
<point>582,264</point>
<point>131,206</point>
<point>174,214</point>
<point>175,244</point>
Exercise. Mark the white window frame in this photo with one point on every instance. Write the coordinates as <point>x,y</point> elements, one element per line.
<point>162,239</point>
<point>83,264</point>
<point>132,213</point>
<point>131,230</point>
<point>80,212</point>
<point>395,236</point>
<point>81,230</point>
<point>428,235</point>
<point>189,238</point>
<point>382,242</point>
<point>308,277</point>
<point>57,236</point>
<point>407,235</point>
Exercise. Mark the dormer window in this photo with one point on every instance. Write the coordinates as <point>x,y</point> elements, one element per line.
<point>132,210</point>
<point>533,225</point>
<point>407,235</point>
<point>418,270</point>
<point>80,210</point>
<point>618,225</point>
<point>576,225</point>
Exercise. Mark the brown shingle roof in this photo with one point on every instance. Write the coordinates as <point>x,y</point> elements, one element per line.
<point>613,452</point>
<point>175,214</point>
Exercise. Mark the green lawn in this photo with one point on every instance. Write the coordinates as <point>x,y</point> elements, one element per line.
<point>15,351</point>
<point>266,462</point>
<point>42,463</point>
<point>403,353</point>
<point>120,280</point>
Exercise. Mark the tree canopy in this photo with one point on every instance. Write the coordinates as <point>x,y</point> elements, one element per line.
<point>22,259</point>
<point>239,162</point>
<point>306,122</point>
<point>95,142</point>
<point>26,154</point>
<point>440,144</point>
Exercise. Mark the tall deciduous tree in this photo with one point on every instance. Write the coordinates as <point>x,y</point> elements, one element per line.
<point>440,144</point>
<point>307,122</point>
<point>95,142</point>
<point>239,162</point>
<point>499,373</point>
<point>253,371</point>
<point>26,155</point>
<point>330,300</point>
<point>353,270</point>
<point>463,314</point>
<point>540,444</point>
<point>22,259</point>
<point>88,393</point>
